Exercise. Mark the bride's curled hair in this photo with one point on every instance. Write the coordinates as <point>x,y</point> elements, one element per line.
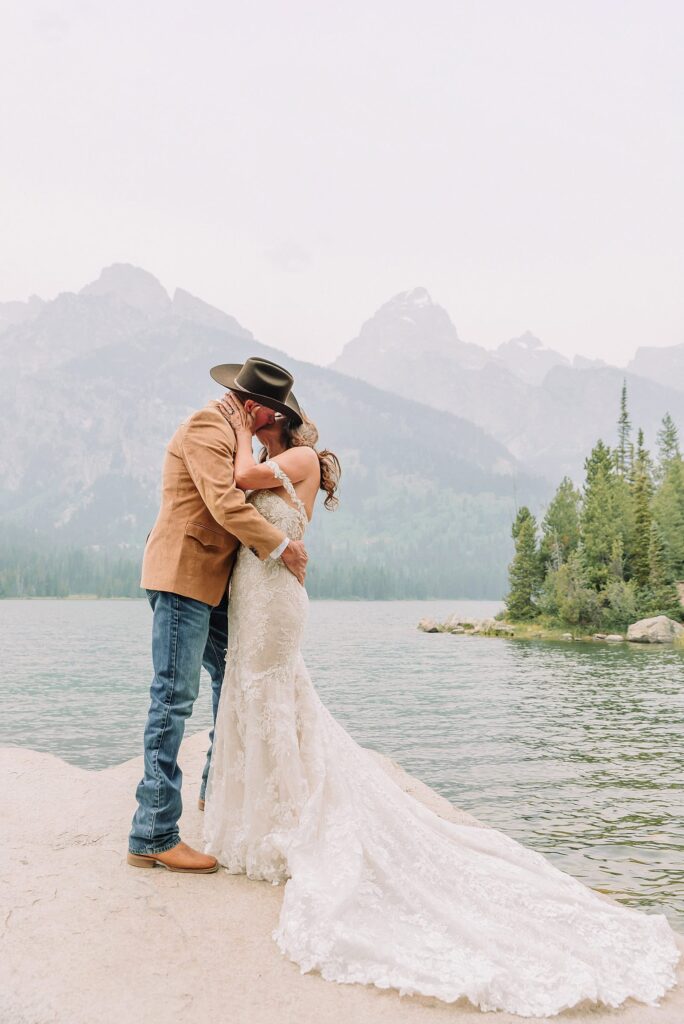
<point>305,434</point>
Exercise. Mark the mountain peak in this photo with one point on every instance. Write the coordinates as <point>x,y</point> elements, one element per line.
<point>415,297</point>
<point>134,286</point>
<point>400,334</point>
<point>664,365</point>
<point>412,319</point>
<point>527,342</point>
<point>529,358</point>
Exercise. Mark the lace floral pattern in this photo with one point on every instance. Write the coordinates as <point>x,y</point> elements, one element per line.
<point>380,890</point>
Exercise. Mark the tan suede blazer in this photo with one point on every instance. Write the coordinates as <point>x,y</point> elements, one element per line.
<point>203,516</point>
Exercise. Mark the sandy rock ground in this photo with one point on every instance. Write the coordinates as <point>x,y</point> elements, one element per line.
<point>86,939</point>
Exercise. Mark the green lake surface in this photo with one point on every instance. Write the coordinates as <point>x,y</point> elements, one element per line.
<point>576,749</point>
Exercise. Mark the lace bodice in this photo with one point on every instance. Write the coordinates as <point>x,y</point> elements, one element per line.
<point>381,890</point>
<point>291,519</point>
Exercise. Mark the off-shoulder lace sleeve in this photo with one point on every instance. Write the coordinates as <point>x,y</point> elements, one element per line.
<point>281,475</point>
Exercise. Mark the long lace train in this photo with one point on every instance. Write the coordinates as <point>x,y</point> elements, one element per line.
<point>381,890</point>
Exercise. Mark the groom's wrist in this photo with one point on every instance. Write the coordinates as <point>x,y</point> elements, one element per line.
<point>277,552</point>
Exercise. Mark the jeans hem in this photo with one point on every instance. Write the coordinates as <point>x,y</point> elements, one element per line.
<point>149,850</point>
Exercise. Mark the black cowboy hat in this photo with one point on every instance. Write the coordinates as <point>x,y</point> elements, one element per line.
<point>262,381</point>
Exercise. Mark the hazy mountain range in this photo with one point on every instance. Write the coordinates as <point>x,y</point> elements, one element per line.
<point>440,439</point>
<point>546,411</point>
<point>95,383</point>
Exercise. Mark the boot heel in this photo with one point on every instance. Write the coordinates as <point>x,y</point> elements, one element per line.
<point>140,862</point>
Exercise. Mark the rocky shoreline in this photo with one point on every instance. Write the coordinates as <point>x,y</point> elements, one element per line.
<point>656,630</point>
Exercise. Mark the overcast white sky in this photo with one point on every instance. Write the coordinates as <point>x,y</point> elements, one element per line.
<point>298,163</point>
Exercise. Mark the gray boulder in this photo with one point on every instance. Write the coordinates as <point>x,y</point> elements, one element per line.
<point>657,630</point>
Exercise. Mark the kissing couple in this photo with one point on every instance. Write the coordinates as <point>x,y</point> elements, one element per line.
<point>378,889</point>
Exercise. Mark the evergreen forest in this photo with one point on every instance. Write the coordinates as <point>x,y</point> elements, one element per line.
<point>610,552</point>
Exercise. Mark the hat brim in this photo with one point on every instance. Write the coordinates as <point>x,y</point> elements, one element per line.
<point>225,375</point>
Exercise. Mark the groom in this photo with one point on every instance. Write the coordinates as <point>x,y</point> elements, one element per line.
<point>188,559</point>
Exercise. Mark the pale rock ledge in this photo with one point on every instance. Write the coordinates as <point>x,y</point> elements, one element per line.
<point>86,939</point>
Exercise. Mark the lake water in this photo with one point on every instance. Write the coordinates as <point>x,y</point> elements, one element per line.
<point>574,749</point>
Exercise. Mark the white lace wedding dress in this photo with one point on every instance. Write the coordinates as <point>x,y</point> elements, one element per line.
<point>381,890</point>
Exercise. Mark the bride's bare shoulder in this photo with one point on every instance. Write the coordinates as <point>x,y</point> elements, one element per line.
<point>298,463</point>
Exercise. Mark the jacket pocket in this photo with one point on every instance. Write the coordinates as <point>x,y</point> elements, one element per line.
<point>207,537</point>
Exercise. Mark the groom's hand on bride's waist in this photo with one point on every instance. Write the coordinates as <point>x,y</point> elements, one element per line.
<point>294,557</point>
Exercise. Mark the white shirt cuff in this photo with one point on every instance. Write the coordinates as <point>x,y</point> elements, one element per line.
<point>277,552</point>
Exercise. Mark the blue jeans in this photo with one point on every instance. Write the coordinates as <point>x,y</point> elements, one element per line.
<point>186,635</point>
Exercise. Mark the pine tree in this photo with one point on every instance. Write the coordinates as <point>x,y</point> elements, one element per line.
<point>578,602</point>
<point>668,440</point>
<point>524,570</point>
<point>668,512</point>
<point>522,516</point>
<point>661,593</point>
<point>600,519</point>
<point>619,597</point>
<point>623,510</point>
<point>624,448</point>
<point>616,566</point>
<point>668,445</point>
<point>642,493</point>
<point>560,528</point>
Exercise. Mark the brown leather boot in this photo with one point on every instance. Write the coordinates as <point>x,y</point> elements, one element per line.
<point>200,804</point>
<point>179,858</point>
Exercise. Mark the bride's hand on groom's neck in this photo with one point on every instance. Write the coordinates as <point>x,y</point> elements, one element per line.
<point>232,410</point>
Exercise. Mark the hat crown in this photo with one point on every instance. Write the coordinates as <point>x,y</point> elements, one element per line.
<point>265,378</point>
<point>262,381</point>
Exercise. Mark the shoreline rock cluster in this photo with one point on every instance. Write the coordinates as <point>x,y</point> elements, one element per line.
<point>659,629</point>
<point>458,624</point>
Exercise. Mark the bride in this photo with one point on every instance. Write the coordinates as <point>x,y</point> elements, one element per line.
<point>381,890</point>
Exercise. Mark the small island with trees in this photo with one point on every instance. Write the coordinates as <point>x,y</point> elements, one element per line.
<point>612,552</point>
<point>603,556</point>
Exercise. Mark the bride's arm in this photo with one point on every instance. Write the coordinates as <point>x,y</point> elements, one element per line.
<point>244,455</point>
<point>297,463</point>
